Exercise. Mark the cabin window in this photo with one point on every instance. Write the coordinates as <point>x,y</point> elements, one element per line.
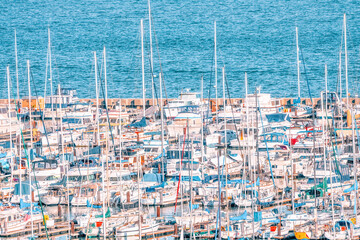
<point>268,138</point>
<point>187,166</point>
<point>41,165</point>
<point>126,177</point>
<point>49,178</point>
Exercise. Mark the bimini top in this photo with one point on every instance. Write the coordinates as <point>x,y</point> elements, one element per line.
<point>138,124</point>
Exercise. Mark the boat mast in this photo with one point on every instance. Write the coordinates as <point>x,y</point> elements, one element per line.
<point>341,100</point>
<point>257,149</point>
<point>332,199</point>
<point>10,125</point>
<point>62,146</point>
<point>18,108</point>
<point>45,82</point>
<point>346,64</point>
<point>340,78</point>
<point>61,127</point>
<point>216,82</point>
<point>325,125</point>
<point>219,190</point>
<point>292,175</point>
<point>151,58</point>
<point>98,139</point>
<point>225,149</point>
<point>298,61</point>
<point>139,200</point>
<point>63,155</point>
<point>51,79</point>
<point>192,233</point>
<point>355,161</point>
<point>107,131</point>
<point>314,163</point>
<point>257,140</point>
<point>247,127</point>
<point>162,129</point>
<point>142,65</point>
<point>105,80</point>
<point>120,145</point>
<point>103,190</point>
<point>181,196</point>
<point>17,71</point>
<point>97,101</point>
<point>326,155</point>
<point>107,171</point>
<point>252,166</point>
<point>202,127</point>
<point>31,146</point>
<point>30,107</point>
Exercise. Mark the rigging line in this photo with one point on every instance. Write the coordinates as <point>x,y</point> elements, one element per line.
<point>53,56</point>
<point>162,74</point>
<point>72,140</point>
<point>337,76</point>
<point>71,133</point>
<point>154,86</point>
<point>42,119</point>
<point>334,148</point>
<point>306,77</point>
<point>338,87</point>
<point>218,215</point>
<point>356,73</point>
<point>41,112</point>
<point>32,166</point>
<point>153,76</point>
<point>156,95</point>
<point>210,82</point>
<point>133,62</point>
<point>357,134</point>
<point>46,134</point>
<point>107,112</point>
<point>158,51</point>
<point>182,157</point>
<point>267,149</point>
<point>233,115</point>
<point>151,72</point>
<point>46,73</point>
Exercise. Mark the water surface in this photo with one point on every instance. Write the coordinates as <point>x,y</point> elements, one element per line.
<point>256,36</point>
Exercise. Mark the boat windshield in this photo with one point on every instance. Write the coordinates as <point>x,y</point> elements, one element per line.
<point>278,117</point>
<point>72,120</point>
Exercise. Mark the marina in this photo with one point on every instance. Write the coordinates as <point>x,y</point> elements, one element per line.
<point>94,172</point>
<point>207,164</point>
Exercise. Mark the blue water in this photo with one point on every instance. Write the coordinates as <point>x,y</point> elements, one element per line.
<point>256,36</point>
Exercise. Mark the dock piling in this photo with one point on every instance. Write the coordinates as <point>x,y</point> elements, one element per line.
<point>158,213</point>
<point>59,210</point>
